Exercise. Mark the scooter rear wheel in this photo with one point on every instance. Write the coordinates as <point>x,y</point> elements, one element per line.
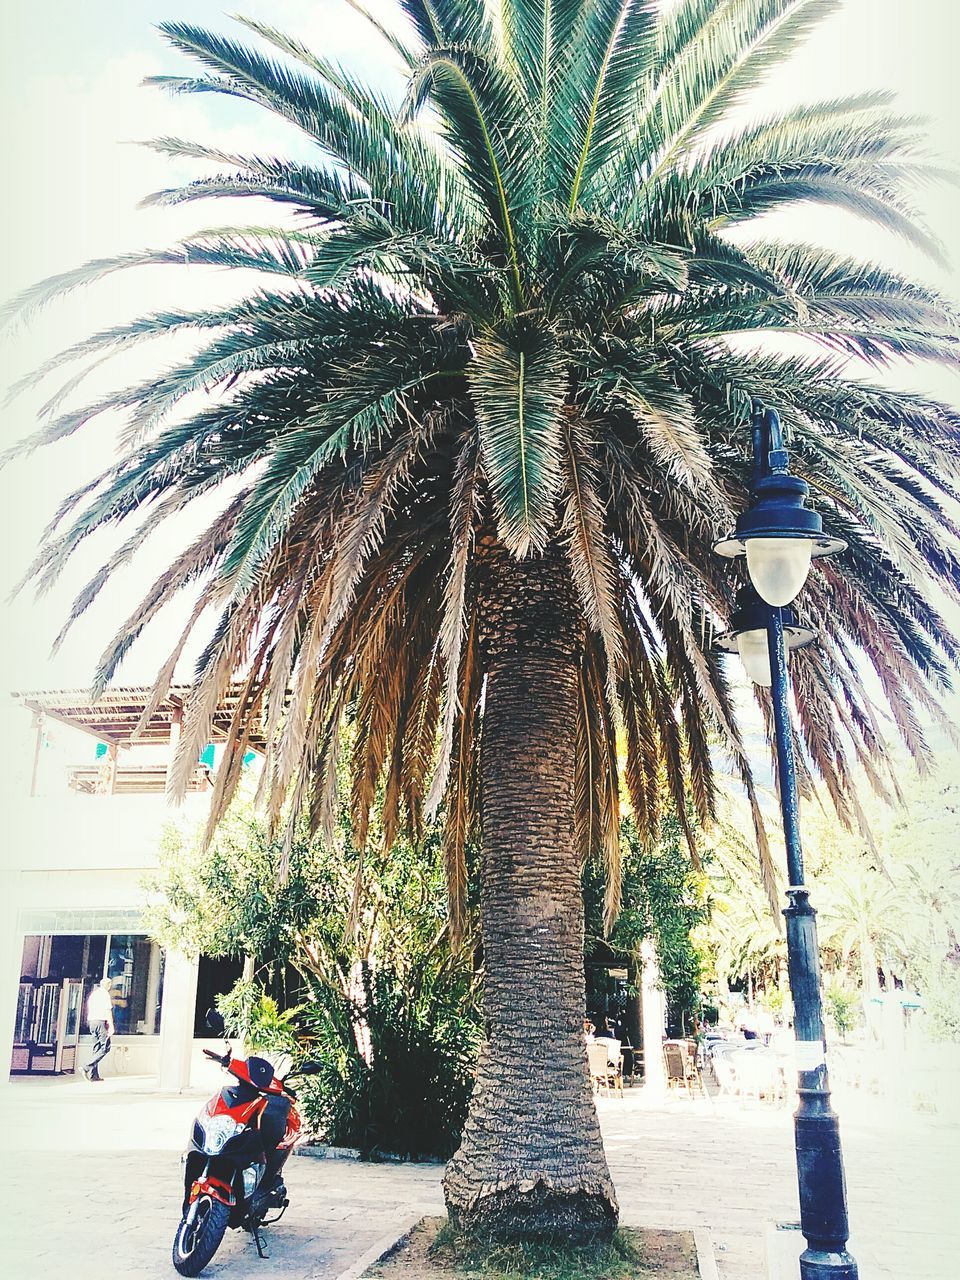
<point>195,1243</point>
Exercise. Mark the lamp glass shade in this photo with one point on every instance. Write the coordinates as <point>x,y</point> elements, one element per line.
<point>778,567</point>
<point>755,656</point>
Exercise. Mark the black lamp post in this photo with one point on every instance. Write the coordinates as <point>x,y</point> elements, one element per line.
<point>779,538</point>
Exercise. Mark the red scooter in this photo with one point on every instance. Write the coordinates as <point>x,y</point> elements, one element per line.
<point>233,1166</point>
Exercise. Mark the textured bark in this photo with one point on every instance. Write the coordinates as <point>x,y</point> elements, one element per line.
<point>531,1164</point>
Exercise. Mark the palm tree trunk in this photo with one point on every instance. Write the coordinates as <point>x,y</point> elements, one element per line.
<point>868,967</point>
<point>531,1164</point>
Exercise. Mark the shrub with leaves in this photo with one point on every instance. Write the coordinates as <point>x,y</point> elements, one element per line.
<point>397,1055</point>
<point>940,983</point>
<point>256,1017</point>
<point>841,1006</point>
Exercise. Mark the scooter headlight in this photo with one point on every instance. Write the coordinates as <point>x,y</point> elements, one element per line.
<point>217,1132</point>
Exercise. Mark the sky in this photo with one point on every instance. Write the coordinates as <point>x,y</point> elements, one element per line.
<point>71,77</point>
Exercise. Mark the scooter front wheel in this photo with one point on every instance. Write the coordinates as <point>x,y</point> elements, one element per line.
<point>198,1237</point>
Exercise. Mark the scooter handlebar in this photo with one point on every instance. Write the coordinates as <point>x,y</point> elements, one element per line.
<point>222,1058</point>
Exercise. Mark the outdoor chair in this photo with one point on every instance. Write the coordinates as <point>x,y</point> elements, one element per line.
<point>605,1074</point>
<point>681,1067</point>
<point>758,1075</point>
<point>613,1048</point>
<point>723,1073</point>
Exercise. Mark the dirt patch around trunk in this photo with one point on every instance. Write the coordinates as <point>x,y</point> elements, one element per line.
<point>431,1252</point>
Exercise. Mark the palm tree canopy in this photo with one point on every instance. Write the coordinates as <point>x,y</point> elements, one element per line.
<point>506,317</point>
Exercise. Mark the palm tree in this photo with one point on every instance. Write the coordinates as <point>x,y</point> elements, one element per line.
<point>746,937</point>
<point>864,915</point>
<point>477,429</point>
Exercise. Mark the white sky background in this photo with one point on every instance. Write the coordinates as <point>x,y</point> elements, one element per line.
<point>71,75</point>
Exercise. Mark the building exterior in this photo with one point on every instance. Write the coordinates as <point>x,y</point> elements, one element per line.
<point>83,829</point>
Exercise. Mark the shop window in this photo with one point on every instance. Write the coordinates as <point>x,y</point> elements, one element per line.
<point>134,963</point>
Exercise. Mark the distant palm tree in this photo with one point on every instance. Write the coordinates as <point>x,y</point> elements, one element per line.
<point>747,939</point>
<point>476,431</point>
<point>863,915</point>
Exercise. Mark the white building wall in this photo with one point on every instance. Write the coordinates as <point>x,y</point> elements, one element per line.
<point>65,853</point>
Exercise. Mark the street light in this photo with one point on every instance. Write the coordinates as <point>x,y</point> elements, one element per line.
<point>780,538</point>
<point>748,635</point>
<point>777,533</point>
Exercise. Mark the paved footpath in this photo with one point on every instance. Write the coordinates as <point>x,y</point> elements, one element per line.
<point>97,1187</point>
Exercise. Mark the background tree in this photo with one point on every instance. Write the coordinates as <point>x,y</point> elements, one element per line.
<point>383,1001</point>
<point>745,936</point>
<point>477,429</point>
<point>225,899</point>
<point>863,917</point>
<point>890,899</point>
<point>662,897</point>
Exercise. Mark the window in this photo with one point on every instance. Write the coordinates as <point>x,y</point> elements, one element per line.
<point>134,964</point>
<point>131,960</point>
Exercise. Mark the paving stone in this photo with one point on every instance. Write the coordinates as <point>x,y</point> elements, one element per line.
<point>104,1176</point>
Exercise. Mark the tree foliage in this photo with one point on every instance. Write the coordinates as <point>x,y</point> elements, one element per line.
<point>398,1054</point>
<point>227,900</point>
<point>888,903</point>
<point>386,1005</point>
<point>509,311</point>
<point>663,898</point>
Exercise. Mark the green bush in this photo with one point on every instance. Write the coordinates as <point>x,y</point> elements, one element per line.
<point>940,991</point>
<point>397,1060</point>
<point>841,1007</point>
<point>774,1001</point>
<point>250,1013</point>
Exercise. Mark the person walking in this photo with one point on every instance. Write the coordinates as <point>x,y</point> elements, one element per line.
<point>100,1022</point>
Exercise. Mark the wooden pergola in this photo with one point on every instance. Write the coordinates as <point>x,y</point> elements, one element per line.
<point>116,719</point>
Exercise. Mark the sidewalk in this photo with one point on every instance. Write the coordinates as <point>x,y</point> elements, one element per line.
<point>100,1169</point>
<point>730,1169</point>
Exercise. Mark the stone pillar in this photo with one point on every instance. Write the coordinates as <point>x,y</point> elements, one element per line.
<point>176,1021</point>
<point>653,1018</point>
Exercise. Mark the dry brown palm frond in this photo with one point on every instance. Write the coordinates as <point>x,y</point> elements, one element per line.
<point>641,754</point>
<point>192,563</point>
<point>655,682</point>
<point>667,579</point>
<point>327,782</point>
<point>817,734</point>
<point>288,752</point>
<point>419,739</point>
<point>305,786</point>
<point>587,767</point>
<point>463,504</point>
<point>293,605</point>
<point>606,789</point>
<point>768,869</point>
<point>247,709</point>
<point>224,657</point>
<point>859,735</point>
<point>460,797</point>
<point>361,531</point>
<point>416,657</point>
<point>161,686</point>
<point>378,705</point>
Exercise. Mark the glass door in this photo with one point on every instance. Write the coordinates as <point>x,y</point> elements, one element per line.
<point>20,1058</point>
<point>44,1037</point>
<point>68,1025</point>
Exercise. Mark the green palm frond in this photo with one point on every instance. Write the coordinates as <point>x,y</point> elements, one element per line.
<point>518,383</point>
<point>510,316</point>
